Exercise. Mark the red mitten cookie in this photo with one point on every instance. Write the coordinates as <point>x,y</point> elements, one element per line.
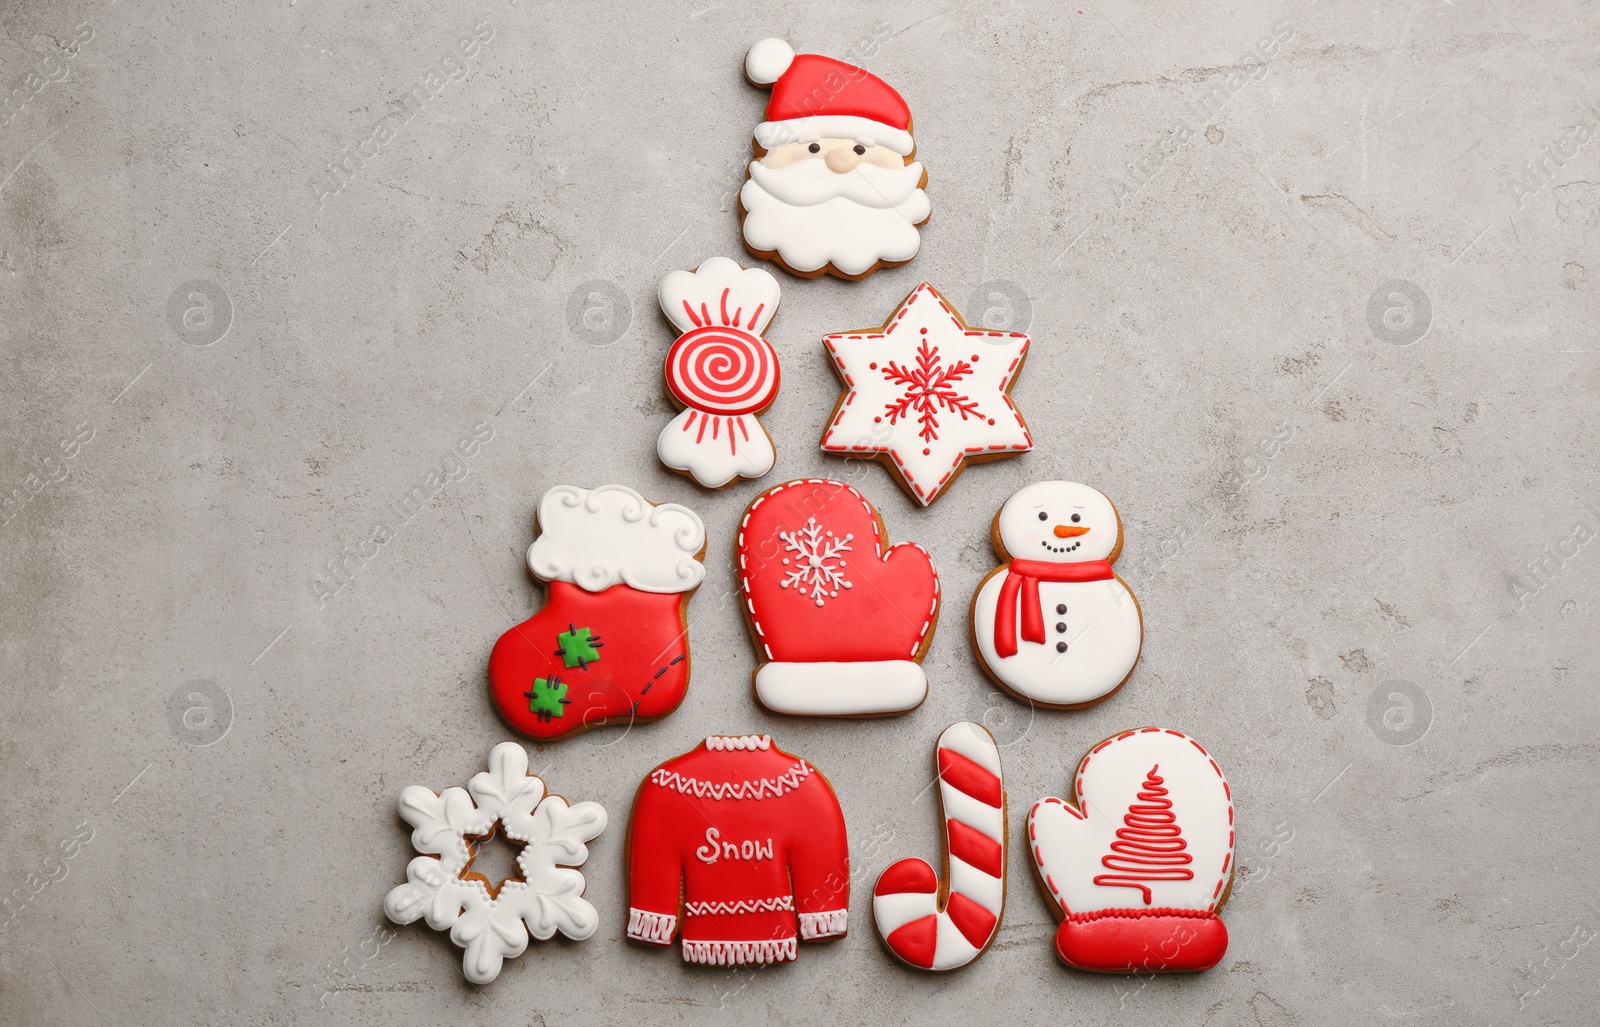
<point>841,621</point>
<point>1138,879</point>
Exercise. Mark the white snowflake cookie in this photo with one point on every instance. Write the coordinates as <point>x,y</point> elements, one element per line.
<point>493,922</point>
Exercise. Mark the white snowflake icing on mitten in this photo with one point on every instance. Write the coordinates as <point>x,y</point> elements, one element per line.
<point>549,896</point>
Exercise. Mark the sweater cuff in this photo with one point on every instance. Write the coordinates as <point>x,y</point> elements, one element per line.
<point>815,926</point>
<point>655,928</point>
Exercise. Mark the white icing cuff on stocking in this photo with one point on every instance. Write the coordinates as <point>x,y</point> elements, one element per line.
<point>655,928</point>
<point>841,689</point>
<point>823,925</point>
<point>611,535</point>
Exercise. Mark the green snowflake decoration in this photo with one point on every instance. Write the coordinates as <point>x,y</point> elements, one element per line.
<point>577,647</point>
<point>548,698</point>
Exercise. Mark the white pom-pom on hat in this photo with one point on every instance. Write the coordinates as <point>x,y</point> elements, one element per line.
<point>768,60</point>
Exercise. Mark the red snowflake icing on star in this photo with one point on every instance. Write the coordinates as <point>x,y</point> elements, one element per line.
<point>928,389</point>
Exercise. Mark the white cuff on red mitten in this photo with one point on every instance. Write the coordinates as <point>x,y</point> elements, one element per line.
<point>655,928</point>
<point>867,688</point>
<point>831,924</point>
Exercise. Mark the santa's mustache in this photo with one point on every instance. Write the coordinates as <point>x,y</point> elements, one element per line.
<point>810,182</point>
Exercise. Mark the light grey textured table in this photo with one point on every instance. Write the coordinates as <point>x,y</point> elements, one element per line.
<point>1191,292</point>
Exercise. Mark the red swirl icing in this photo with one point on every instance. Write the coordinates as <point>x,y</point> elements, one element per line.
<point>722,370</point>
<point>1149,845</point>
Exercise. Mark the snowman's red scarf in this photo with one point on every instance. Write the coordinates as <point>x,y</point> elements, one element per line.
<point>1024,576</point>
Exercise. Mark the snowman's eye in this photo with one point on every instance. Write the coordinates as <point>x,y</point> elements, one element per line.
<point>1076,518</point>
<point>1043,516</point>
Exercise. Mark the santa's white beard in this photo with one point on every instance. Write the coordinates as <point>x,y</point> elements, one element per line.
<point>812,216</point>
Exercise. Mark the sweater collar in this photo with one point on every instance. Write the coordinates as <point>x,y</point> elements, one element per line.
<point>734,743</point>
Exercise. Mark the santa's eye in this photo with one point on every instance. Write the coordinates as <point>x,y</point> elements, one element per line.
<point>860,149</point>
<point>815,147</point>
<point>1043,516</point>
<point>1076,518</point>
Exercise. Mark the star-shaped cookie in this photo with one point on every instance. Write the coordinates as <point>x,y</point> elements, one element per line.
<point>926,394</point>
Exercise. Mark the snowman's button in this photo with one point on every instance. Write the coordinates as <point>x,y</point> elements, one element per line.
<point>1061,628</point>
<point>1061,607</point>
<point>1061,647</point>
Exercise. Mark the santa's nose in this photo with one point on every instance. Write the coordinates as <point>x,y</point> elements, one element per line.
<point>1070,531</point>
<point>841,159</point>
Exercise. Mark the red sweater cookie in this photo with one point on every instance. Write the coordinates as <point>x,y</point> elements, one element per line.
<point>746,842</point>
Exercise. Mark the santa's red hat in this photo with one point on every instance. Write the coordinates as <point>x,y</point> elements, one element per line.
<point>815,96</point>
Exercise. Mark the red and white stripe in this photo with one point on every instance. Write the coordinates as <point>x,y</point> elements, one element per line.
<point>905,905</point>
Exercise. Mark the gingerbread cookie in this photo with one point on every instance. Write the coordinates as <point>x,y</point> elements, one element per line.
<point>1055,625</point>
<point>841,619</point>
<point>745,846</point>
<point>944,923</point>
<point>926,394</point>
<point>834,189</point>
<point>493,920</point>
<point>1137,877</point>
<point>720,370</point>
<point>611,644</point>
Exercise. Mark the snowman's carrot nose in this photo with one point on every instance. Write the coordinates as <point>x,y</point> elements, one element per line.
<point>1070,531</point>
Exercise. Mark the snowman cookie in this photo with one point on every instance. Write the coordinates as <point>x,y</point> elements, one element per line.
<point>720,370</point>
<point>1055,625</point>
<point>611,645</point>
<point>834,189</point>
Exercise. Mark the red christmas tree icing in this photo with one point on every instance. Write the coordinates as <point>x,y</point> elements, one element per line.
<point>1149,845</point>
<point>927,389</point>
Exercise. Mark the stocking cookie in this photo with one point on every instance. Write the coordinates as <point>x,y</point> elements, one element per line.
<point>926,394</point>
<point>492,920</point>
<point>745,846</point>
<point>611,643</point>
<point>1055,625</point>
<point>834,189</point>
<point>1137,864</point>
<point>841,619</point>
<point>720,370</point>
<point>913,921</point>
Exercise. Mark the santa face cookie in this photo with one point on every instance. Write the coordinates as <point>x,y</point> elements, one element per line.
<point>834,190</point>
<point>926,394</point>
<point>742,844</point>
<point>1137,864</point>
<point>611,644</point>
<point>1055,625</point>
<point>493,920</point>
<point>841,619</point>
<point>915,924</point>
<point>720,370</point>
